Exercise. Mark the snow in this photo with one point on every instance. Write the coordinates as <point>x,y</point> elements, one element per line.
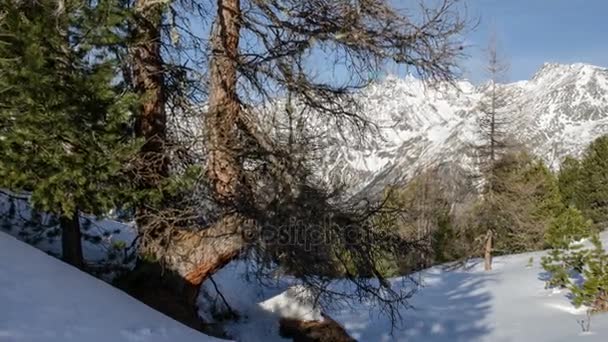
<point>109,232</point>
<point>556,113</point>
<point>260,307</point>
<point>42,299</point>
<point>509,303</point>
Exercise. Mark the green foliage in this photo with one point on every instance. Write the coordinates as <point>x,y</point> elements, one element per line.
<point>567,227</point>
<point>530,262</point>
<point>420,213</point>
<point>560,263</point>
<point>594,291</point>
<point>565,261</point>
<point>584,183</point>
<point>522,199</point>
<point>594,181</point>
<point>570,182</point>
<point>567,254</point>
<point>64,110</point>
<point>558,270</point>
<point>446,244</point>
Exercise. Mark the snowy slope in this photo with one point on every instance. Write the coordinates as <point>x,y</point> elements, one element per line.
<point>508,304</point>
<point>43,231</point>
<point>556,113</point>
<point>43,299</point>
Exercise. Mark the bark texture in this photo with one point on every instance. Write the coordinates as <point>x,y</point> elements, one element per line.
<point>184,257</point>
<point>223,167</point>
<point>195,255</point>
<point>170,281</point>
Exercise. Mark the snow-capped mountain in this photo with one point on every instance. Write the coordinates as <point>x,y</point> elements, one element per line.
<point>556,113</point>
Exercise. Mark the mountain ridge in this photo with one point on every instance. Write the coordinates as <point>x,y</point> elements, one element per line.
<point>556,113</point>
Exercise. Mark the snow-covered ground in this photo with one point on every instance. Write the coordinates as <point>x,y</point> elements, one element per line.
<point>45,300</point>
<point>508,304</point>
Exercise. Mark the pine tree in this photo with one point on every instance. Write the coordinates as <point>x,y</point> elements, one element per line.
<point>240,156</point>
<point>567,254</point>
<point>64,111</point>
<point>524,200</point>
<point>584,183</point>
<point>569,226</point>
<point>593,194</point>
<point>569,257</point>
<point>594,291</point>
<point>570,182</point>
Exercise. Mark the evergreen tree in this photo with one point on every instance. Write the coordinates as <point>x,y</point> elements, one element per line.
<point>568,257</point>
<point>567,227</point>
<point>64,110</point>
<point>584,183</point>
<point>570,182</point>
<point>593,194</point>
<point>593,292</point>
<point>567,254</point>
<point>521,206</point>
<point>243,161</point>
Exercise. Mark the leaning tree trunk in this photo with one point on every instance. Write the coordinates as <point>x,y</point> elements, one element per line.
<point>71,240</point>
<point>171,282</point>
<point>222,242</point>
<point>194,256</point>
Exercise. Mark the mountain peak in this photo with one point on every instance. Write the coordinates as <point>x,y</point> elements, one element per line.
<point>557,113</point>
<point>551,70</point>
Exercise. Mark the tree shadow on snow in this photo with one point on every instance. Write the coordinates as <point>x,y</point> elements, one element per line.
<point>451,306</point>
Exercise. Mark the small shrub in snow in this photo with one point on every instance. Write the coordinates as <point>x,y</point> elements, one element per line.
<point>586,323</point>
<point>530,262</point>
<point>593,292</point>
<point>568,258</point>
<point>567,255</point>
<point>557,264</point>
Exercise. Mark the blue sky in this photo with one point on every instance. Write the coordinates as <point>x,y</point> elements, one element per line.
<point>532,32</point>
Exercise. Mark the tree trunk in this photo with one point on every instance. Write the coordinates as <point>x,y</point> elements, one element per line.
<point>223,168</point>
<point>195,255</point>
<point>71,240</point>
<point>171,283</point>
<point>488,251</point>
<point>148,81</point>
<point>190,257</point>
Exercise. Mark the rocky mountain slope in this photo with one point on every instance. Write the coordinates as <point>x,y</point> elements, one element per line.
<point>556,113</point>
